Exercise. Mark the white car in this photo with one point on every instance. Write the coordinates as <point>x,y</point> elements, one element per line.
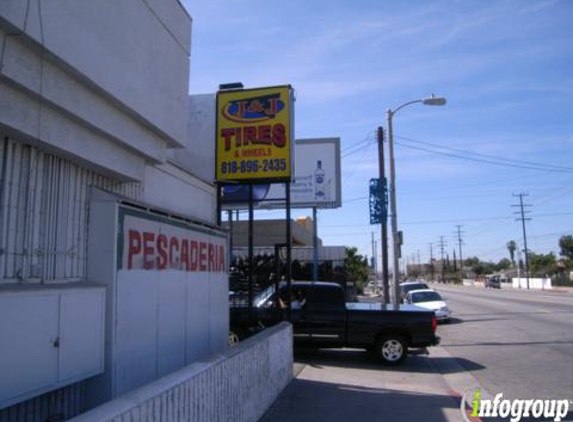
<point>429,299</point>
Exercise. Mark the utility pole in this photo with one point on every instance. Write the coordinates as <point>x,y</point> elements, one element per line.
<point>519,264</point>
<point>522,213</point>
<point>374,257</point>
<point>413,264</point>
<point>384,225</point>
<point>432,261</point>
<point>442,249</point>
<point>460,241</point>
<point>419,265</point>
<point>373,251</point>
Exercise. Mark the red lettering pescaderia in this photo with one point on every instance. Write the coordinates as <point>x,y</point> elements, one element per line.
<point>194,256</point>
<point>161,252</point>
<point>173,246</point>
<point>202,256</point>
<point>134,248</point>
<point>151,251</point>
<point>211,257</point>
<point>148,250</point>
<point>185,255</point>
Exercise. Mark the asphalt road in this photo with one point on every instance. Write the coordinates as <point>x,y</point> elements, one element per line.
<point>513,342</point>
<point>516,342</point>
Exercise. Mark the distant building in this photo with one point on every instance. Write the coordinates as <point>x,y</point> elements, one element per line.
<point>267,233</point>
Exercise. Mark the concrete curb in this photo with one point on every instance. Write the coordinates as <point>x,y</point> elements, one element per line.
<point>458,379</point>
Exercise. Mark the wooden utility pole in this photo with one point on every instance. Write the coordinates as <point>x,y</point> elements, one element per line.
<point>384,225</point>
<point>523,219</point>
<point>460,248</point>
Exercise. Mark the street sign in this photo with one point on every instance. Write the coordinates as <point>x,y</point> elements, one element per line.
<point>378,201</point>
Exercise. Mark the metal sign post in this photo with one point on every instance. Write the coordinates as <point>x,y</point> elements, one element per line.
<point>288,257</point>
<point>314,246</point>
<point>251,260</point>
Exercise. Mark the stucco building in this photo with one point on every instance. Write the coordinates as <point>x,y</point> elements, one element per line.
<point>112,272</point>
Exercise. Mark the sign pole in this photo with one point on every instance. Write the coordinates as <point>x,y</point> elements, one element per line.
<point>230,218</point>
<point>288,252</point>
<point>251,260</point>
<point>218,190</point>
<point>314,246</point>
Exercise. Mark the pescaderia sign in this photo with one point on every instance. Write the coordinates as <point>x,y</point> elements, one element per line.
<point>254,134</point>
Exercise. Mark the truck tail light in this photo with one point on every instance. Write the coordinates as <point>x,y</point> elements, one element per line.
<point>434,324</point>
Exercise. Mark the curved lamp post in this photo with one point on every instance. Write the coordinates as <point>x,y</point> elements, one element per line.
<point>432,101</point>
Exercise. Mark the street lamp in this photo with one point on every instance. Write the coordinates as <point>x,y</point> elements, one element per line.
<point>431,101</point>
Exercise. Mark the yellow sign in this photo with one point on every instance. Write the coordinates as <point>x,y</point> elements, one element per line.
<point>254,134</point>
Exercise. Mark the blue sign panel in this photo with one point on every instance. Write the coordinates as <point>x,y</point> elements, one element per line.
<point>378,201</point>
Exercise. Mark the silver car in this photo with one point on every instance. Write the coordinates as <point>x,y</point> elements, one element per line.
<point>430,299</point>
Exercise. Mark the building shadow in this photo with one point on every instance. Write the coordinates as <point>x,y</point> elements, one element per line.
<point>510,343</point>
<point>417,362</point>
<point>457,320</point>
<point>312,401</point>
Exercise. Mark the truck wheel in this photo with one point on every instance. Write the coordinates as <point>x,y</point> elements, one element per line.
<point>391,349</point>
<point>233,338</point>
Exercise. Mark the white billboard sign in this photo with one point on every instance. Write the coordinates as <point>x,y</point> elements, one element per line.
<point>316,180</point>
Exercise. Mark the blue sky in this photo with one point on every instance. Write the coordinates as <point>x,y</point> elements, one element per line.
<point>506,68</point>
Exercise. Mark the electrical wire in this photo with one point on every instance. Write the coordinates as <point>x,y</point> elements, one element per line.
<point>367,138</point>
<point>488,156</point>
<point>479,160</point>
<point>351,172</point>
<point>359,148</point>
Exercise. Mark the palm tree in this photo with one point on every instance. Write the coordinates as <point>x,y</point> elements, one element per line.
<point>511,247</point>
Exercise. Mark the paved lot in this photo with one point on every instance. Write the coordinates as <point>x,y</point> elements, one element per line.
<point>345,385</point>
<point>518,343</point>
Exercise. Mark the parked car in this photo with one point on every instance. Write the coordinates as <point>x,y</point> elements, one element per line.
<point>322,318</point>
<point>411,285</point>
<point>493,282</point>
<point>430,299</point>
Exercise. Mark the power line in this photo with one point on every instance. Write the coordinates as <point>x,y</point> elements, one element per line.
<point>479,160</point>
<point>369,137</point>
<point>364,150</point>
<point>503,159</point>
<point>358,146</point>
<point>362,198</point>
<point>459,220</point>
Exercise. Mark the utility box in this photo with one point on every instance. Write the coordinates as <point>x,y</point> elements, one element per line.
<point>52,336</point>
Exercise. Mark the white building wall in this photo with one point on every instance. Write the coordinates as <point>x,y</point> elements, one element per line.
<point>170,187</point>
<point>198,156</point>
<point>137,51</point>
<point>94,94</point>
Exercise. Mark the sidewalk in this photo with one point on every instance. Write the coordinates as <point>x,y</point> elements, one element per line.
<point>345,385</point>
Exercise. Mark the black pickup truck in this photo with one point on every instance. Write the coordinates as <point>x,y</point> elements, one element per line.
<point>322,318</point>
